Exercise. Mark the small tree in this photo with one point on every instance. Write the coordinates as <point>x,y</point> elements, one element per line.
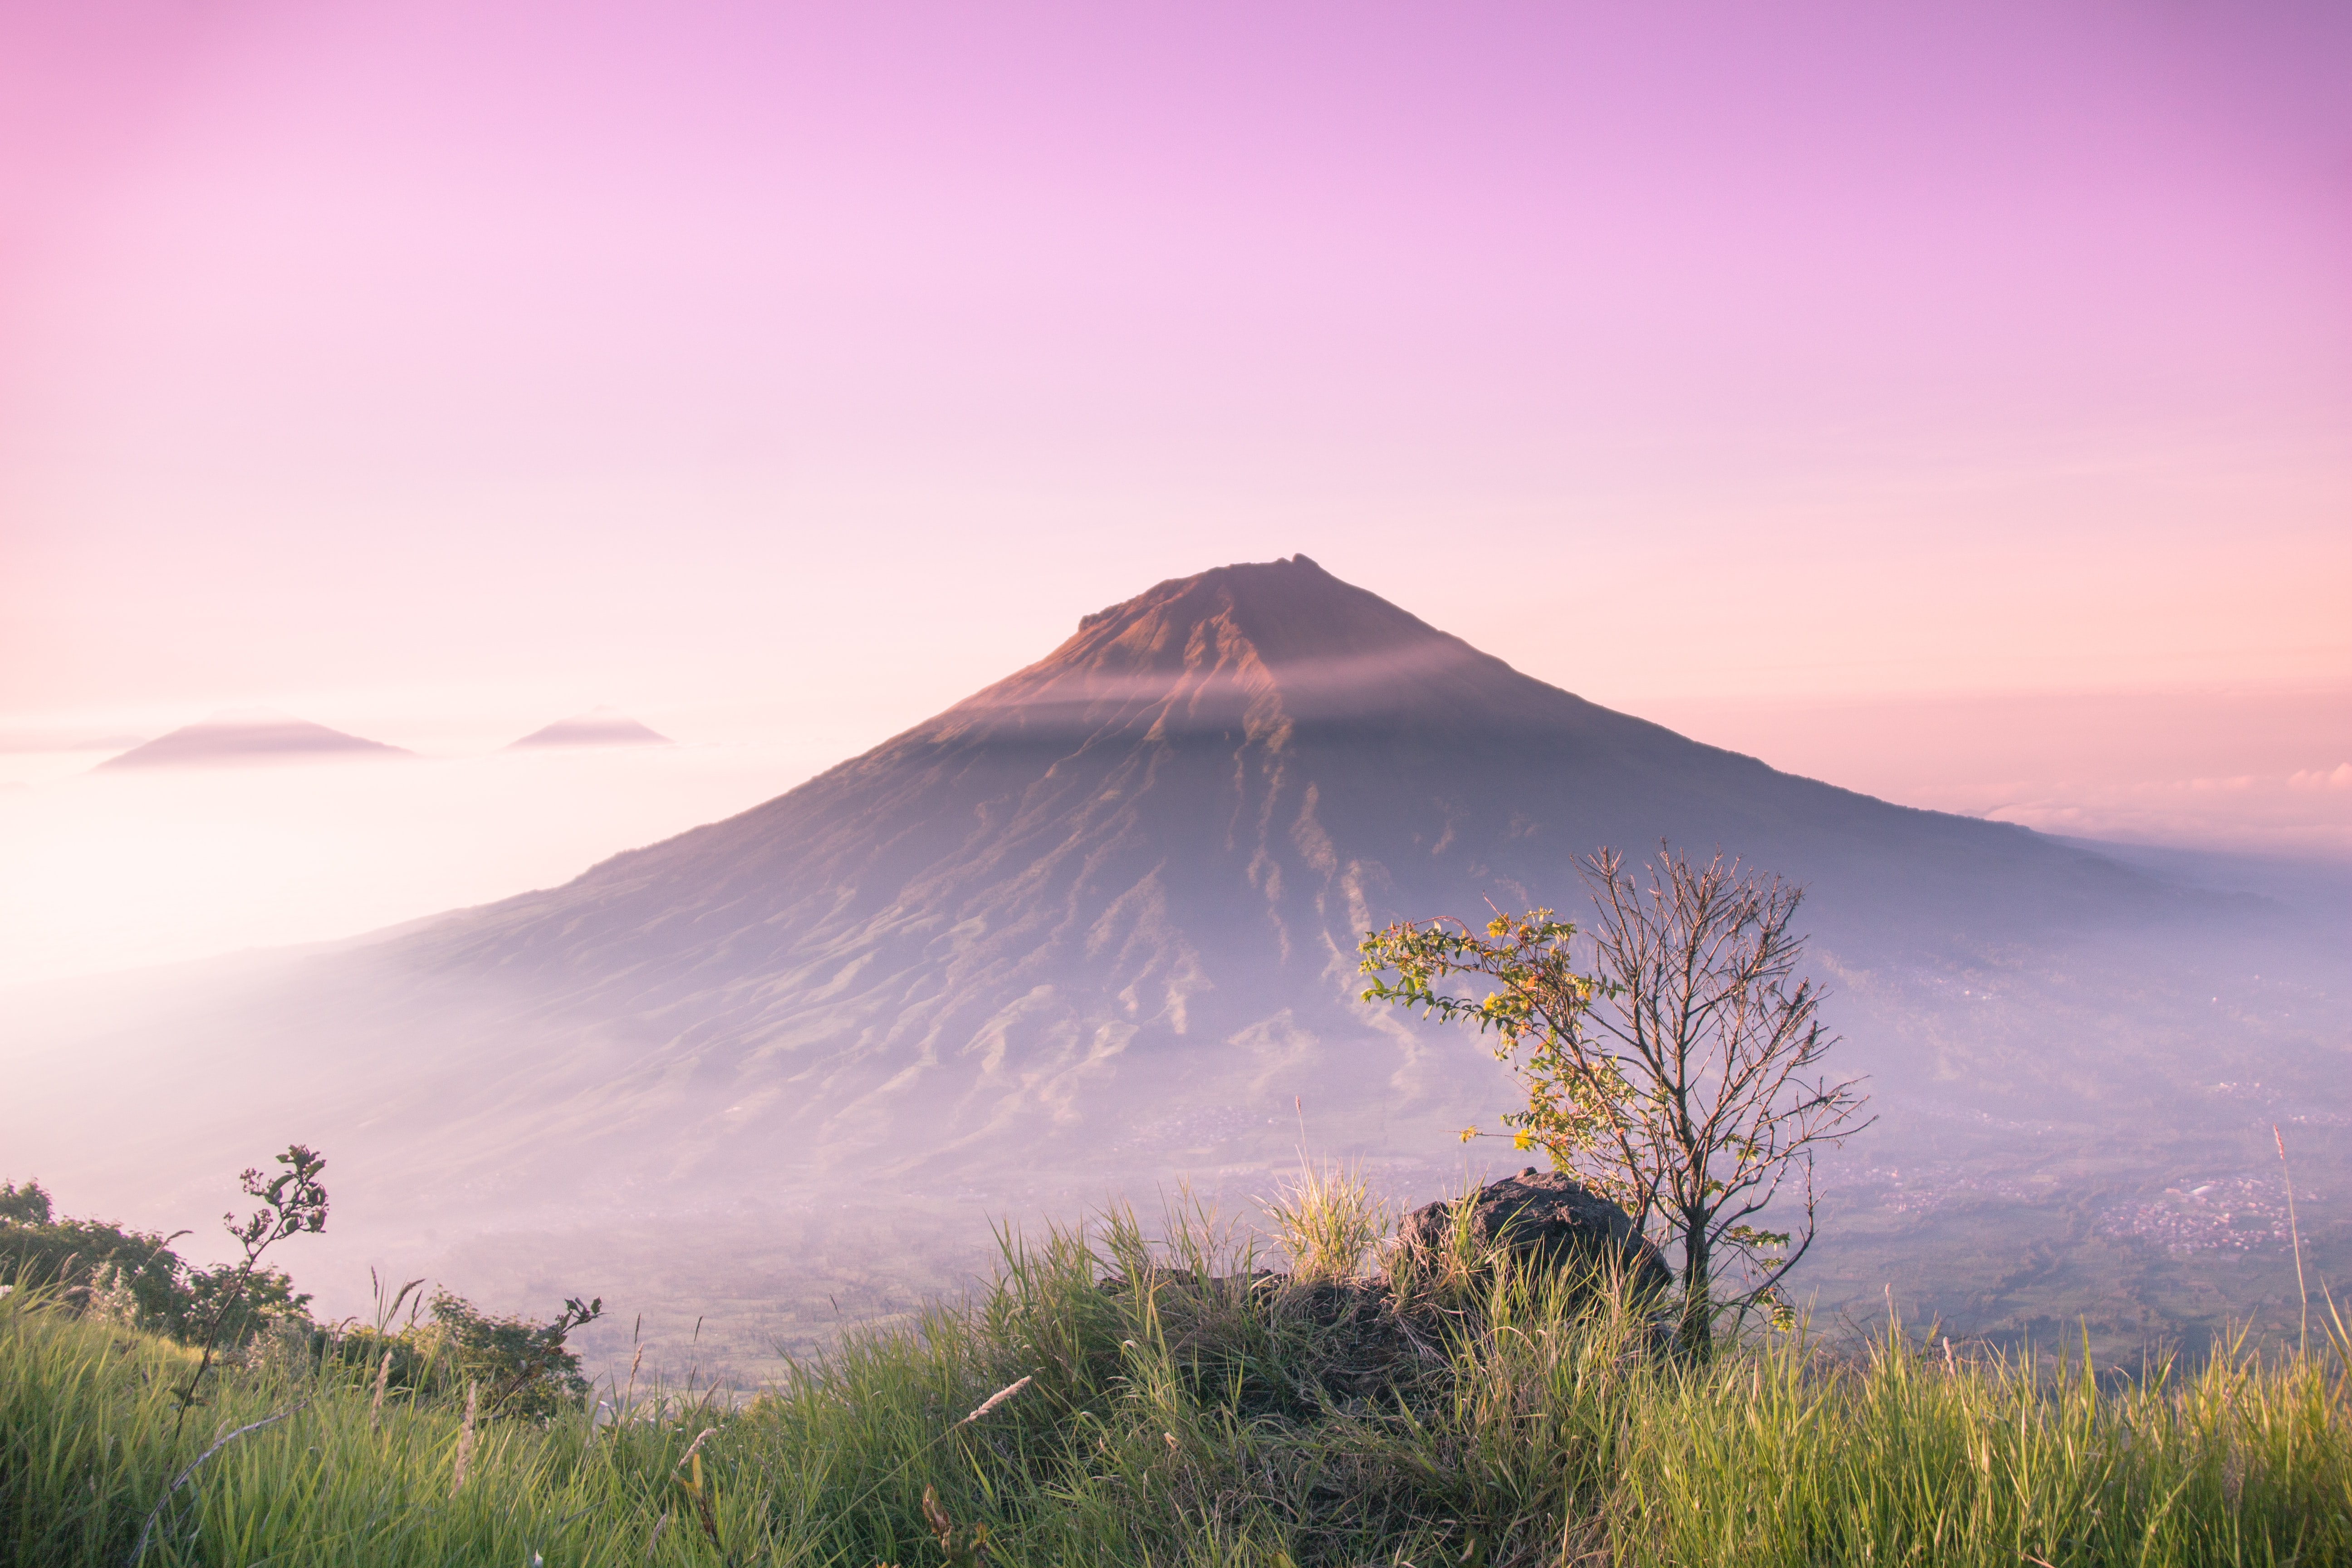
<point>1681,1079</point>
<point>292,1202</point>
<point>28,1204</point>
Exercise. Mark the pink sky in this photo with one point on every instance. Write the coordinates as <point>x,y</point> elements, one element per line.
<point>781,374</point>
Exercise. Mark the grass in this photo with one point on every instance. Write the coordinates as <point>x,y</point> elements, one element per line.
<point>1183,1408</point>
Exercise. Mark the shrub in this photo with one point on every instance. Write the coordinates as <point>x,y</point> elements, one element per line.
<point>524,1368</point>
<point>134,1275</point>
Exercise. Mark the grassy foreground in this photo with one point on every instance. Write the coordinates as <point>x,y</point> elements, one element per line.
<point>1418,1413</point>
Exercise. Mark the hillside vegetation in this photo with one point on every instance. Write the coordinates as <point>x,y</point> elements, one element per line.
<point>1114,1399</point>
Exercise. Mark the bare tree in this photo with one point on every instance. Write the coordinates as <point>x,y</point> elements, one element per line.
<point>1681,1079</point>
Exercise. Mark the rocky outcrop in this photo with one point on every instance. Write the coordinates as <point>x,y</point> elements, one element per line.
<point>1546,1220</point>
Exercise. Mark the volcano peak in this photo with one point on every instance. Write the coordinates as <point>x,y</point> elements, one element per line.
<point>1243,646</point>
<point>1286,610</point>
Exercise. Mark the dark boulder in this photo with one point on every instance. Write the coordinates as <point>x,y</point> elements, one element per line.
<point>1546,1220</point>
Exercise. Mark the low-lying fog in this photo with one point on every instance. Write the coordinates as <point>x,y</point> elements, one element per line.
<point>128,869</point>
<point>2250,770</point>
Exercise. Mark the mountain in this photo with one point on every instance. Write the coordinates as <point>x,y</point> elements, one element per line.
<point>249,735</point>
<point>597,727</point>
<point>1113,900</point>
<point>1094,928</point>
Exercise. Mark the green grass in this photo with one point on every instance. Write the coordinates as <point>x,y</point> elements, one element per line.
<point>1427,1415</point>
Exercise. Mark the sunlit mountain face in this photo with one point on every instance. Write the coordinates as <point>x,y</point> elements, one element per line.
<point>1094,927</point>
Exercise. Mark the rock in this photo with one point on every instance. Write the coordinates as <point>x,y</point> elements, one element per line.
<point>1547,1220</point>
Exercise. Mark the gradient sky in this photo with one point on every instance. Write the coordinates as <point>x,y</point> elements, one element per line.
<point>781,374</point>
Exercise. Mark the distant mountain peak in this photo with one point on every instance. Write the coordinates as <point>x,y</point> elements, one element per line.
<point>600,726</point>
<point>1253,645</point>
<point>249,735</point>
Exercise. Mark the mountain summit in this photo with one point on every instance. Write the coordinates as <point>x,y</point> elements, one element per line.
<point>1254,645</point>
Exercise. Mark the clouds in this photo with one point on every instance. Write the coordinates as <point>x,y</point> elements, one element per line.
<point>2244,769</point>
